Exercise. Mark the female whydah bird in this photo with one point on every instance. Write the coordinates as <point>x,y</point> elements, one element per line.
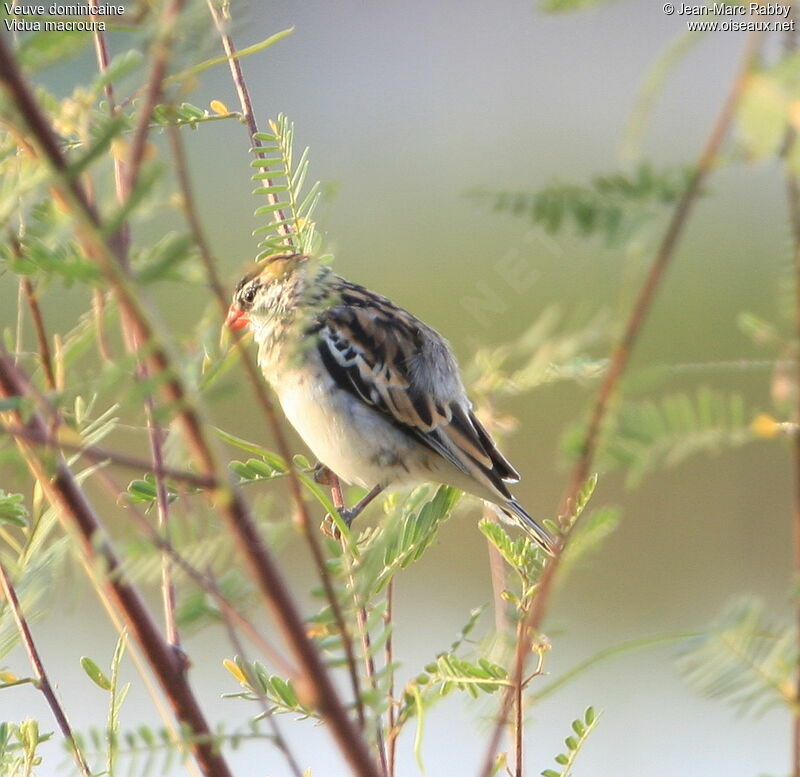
<point>373,391</point>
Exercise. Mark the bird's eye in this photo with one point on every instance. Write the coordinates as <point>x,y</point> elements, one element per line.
<point>249,295</point>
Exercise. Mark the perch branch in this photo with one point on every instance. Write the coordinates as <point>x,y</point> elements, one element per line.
<point>532,620</point>
<point>265,403</point>
<point>42,679</point>
<point>793,202</point>
<point>75,511</point>
<point>233,509</point>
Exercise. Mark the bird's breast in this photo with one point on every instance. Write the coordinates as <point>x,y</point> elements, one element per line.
<point>344,433</point>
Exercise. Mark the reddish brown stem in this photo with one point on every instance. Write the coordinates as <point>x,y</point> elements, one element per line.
<point>247,109</point>
<point>266,712</point>
<point>255,379</point>
<point>75,511</point>
<point>42,679</point>
<point>533,618</point>
<point>159,58</point>
<point>98,455</point>
<point>232,508</point>
<point>666,251</point>
<point>41,336</point>
<point>391,713</point>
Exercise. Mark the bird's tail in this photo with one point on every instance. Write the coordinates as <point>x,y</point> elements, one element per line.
<point>513,510</point>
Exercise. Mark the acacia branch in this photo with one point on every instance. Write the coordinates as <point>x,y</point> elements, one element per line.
<point>532,619</point>
<point>624,347</point>
<point>159,57</point>
<point>256,380</point>
<point>45,356</point>
<point>98,455</point>
<point>124,185</point>
<point>247,111</point>
<point>793,202</point>
<point>319,689</point>
<point>75,511</point>
<point>42,679</point>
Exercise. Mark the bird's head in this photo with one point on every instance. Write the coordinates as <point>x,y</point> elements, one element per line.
<point>268,291</point>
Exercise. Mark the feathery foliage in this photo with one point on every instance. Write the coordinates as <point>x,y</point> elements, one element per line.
<point>284,179</point>
<point>746,659</point>
<point>581,728</point>
<point>648,435</point>
<point>614,207</point>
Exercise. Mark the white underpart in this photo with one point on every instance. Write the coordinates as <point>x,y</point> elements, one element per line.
<point>345,434</point>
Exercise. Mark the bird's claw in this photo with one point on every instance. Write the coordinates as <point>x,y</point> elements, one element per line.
<point>329,526</point>
<point>323,475</point>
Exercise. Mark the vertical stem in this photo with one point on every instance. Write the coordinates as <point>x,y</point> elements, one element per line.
<point>42,679</point>
<point>277,735</point>
<point>162,504</point>
<point>337,498</point>
<point>793,202</point>
<point>655,275</point>
<point>124,182</point>
<point>793,196</point>
<point>518,710</point>
<point>533,616</point>
<point>76,513</point>
<point>391,743</point>
<point>41,336</point>
<point>318,686</point>
<point>497,568</point>
<point>247,109</point>
<point>264,401</point>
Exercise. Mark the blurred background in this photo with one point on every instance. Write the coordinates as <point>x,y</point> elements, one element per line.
<point>407,108</point>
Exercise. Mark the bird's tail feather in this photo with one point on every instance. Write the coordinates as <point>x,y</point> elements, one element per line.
<point>519,516</point>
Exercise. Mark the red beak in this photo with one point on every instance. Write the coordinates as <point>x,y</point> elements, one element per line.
<point>236,318</point>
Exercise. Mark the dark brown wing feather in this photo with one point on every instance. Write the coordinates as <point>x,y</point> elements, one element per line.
<point>393,362</point>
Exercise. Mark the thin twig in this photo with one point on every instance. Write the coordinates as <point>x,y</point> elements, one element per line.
<point>533,618</point>
<point>159,58</point>
<point>124,184</point>
<point>98,455</point>
<point>235,512</point>
<point>74,510</point>
<point>624,347</point>
<point>247,112</point>
<point>27,289</point>
<point>41,337</point>
<point>209,584</point>
<point>391,713</point>
<point>42,679</point>
<point>278,739</point>
<point>123,235</point>
<point>162,505</point>
<point>793,201</point>
<point>258,385</point>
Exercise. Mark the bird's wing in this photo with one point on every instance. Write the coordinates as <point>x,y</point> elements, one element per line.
<point>403,369</point>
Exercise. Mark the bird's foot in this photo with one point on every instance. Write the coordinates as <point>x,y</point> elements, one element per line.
<point>329,525</point>
<point>323,475</point>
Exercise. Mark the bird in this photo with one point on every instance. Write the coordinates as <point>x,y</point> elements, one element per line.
<point>375,393</point>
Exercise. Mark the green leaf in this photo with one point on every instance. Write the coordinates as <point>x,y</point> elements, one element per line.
<point>245,52</point>
<point>582,728</point>
<point>95,673</point>
<point>13,510</point>
<point>665,432</point>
